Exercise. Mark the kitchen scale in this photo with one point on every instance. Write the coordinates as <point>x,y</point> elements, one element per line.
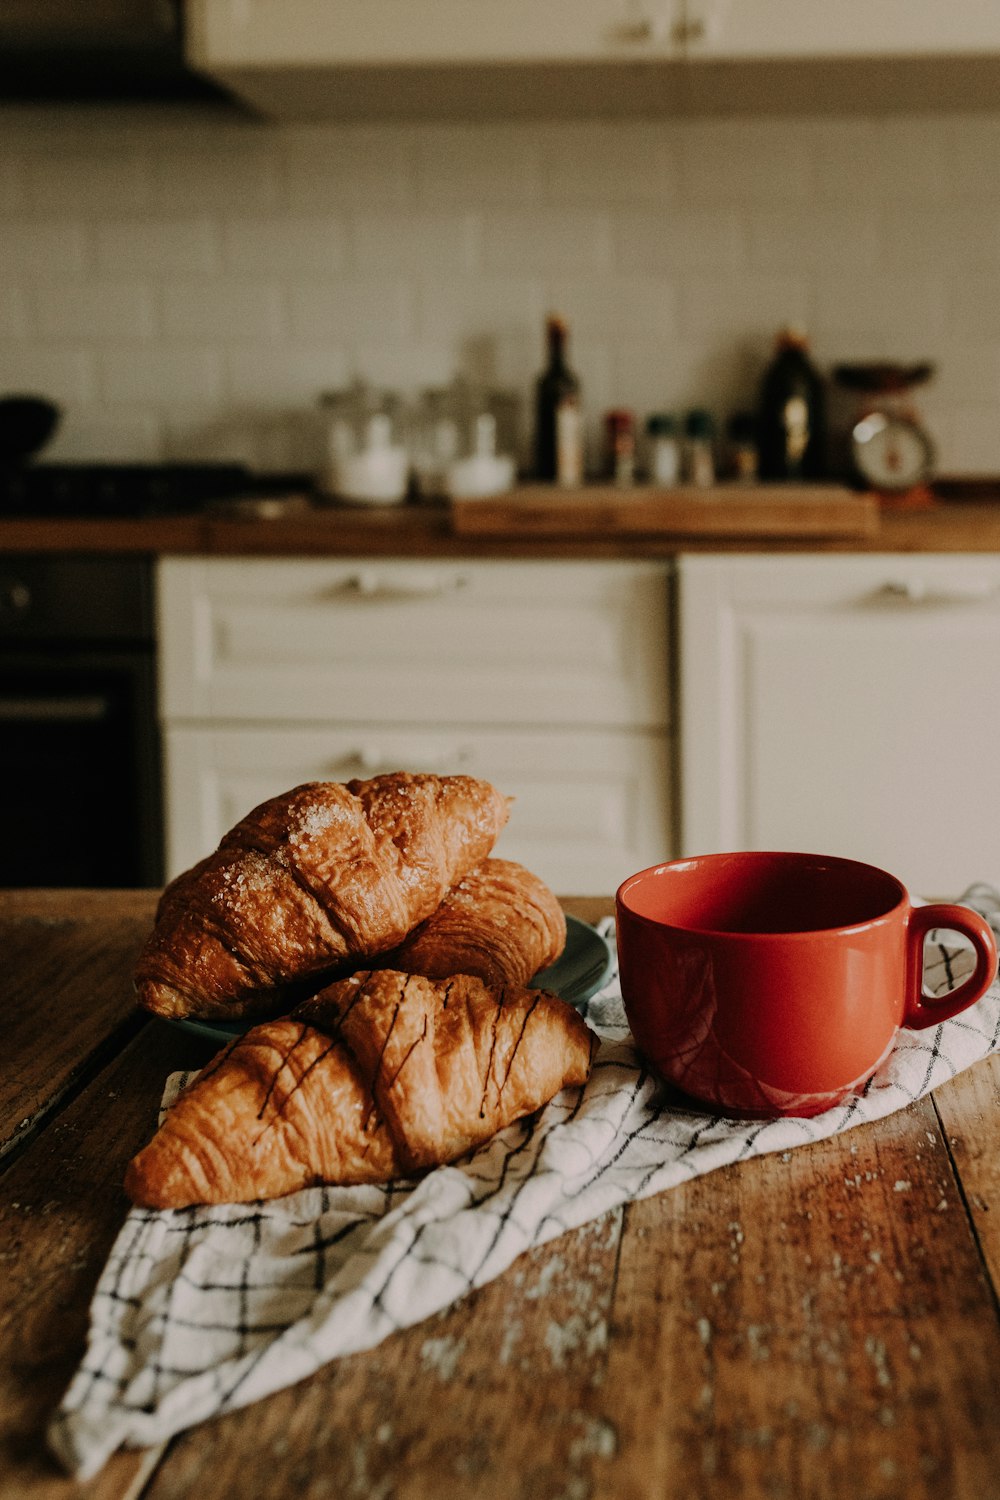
<point>891,451</point>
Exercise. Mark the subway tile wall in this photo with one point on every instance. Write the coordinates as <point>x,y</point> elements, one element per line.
<point>186,286</point>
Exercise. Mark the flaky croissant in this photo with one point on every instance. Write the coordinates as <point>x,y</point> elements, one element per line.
<point>329,872</point>
<point>381,1075</point>
<point>500,922</point>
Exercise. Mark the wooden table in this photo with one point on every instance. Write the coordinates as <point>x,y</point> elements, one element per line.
<point>822,1323</point>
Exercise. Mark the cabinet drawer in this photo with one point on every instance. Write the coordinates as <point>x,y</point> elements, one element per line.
<point>424,643</point>
<point>590,807</point>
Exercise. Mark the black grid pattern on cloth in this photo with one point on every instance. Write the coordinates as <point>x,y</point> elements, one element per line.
<point>202,1310</point>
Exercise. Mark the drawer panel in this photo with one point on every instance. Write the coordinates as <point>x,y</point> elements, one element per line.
<point>590,807</point>
<point>401,641</point>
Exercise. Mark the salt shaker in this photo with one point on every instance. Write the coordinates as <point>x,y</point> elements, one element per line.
<point>664,449</point>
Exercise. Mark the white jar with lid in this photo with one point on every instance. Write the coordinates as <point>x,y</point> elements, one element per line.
<point>663,449</point>
<point>484,471</point>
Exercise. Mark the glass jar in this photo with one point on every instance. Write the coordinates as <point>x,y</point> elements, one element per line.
<point>663,449</point>
<point>619,439</point>
<point>699,448</point>
<point>367,460</point>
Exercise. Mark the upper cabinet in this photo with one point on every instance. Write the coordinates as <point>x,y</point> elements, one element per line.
<point>411,33</point>
<point>774,29</point>
<point>300,59</point>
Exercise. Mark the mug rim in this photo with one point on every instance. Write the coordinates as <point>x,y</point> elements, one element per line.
<point>791,855</point>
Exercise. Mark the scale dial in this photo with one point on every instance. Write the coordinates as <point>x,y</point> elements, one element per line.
<point>891,452</point>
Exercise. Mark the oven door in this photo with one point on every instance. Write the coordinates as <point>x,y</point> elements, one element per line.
<point>80,791</point>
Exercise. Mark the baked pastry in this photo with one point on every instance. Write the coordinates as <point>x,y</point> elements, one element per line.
<point>329,874</point>
<point>500,922</point>
<point>381,1075</point>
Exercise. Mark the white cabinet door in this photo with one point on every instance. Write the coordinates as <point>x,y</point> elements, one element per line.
<point>589,808</point>
<point>844,705</point>
<point>744,29</point>
<point>278,34</point>
<point>407,642</point>
<point>312,34</point>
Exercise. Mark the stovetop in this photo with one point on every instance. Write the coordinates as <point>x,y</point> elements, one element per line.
<point>128,490</point>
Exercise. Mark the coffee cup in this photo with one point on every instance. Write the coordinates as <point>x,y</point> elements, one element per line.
<point>766,984</point>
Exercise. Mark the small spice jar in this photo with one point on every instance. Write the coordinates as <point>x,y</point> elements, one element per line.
<point>619,429</point>
<point>699,454</point>
<point>663,449</point>
<point>741,436</point>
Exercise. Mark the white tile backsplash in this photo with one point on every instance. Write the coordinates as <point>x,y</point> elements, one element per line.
<point>188,287</point>
<point>223,309</point>
<point>158,374</point>
<point>155,247</point>
<point>98,310</point>
<point>46,368</point>
<point>15,313</point>
<point>300,244</point>
<point>44,250</point>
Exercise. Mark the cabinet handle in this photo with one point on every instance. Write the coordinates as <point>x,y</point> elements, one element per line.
<point>693,30</point>
<point>68,710</point>
<point>634,33</point>
<point>368,584</point>
<point>919,591</point>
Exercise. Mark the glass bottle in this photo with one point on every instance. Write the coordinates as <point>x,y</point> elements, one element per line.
<point>558,416</point>
<point>791,417</point>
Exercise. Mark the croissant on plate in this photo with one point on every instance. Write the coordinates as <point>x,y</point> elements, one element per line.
<point>500,922</point>
<point>381,1075</point>
<point>327,875</point>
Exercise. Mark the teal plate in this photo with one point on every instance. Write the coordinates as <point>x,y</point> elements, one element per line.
<point>583,966</point>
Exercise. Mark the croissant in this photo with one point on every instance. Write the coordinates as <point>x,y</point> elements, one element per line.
<point>325,873</point>
<point>499,922</point>
<point>381,1075</point>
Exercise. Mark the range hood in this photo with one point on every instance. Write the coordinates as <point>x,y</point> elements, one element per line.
<point>90,50</point>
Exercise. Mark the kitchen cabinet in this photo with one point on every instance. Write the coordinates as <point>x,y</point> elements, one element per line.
<point>844,705</point>
<point>465,58</point>
<point>379,33</point>
<point>438,58</point>
<point>747,29</point>
<point>551,680</point>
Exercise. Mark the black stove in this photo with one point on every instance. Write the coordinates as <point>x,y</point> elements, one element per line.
<point>128,490</point>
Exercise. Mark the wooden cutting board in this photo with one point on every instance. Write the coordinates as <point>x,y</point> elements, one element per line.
<point>724,511</point>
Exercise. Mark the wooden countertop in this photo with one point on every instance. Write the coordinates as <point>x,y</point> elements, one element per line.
<point>425,531</point>
<point>791,1326</point>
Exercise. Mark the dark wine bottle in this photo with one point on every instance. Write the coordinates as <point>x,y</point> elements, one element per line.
<point>791,437</point>
<point>558,416</point>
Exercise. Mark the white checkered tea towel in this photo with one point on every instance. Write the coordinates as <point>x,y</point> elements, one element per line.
<point>199,1311</point>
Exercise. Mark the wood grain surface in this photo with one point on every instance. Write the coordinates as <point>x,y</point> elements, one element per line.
<point>744,513</point>
<point>421,531</point>
<point>61,1206</point>
<point>54,1034</point>
<point>819,1324</point>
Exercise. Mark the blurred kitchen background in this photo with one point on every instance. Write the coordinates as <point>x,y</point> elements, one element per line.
<point>185,277</point>
<point>217,215</point>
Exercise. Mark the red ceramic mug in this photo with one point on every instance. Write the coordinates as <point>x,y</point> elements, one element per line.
<point>770,984</point>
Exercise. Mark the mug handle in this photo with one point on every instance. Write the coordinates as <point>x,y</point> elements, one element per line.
<point>921,1009</point>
